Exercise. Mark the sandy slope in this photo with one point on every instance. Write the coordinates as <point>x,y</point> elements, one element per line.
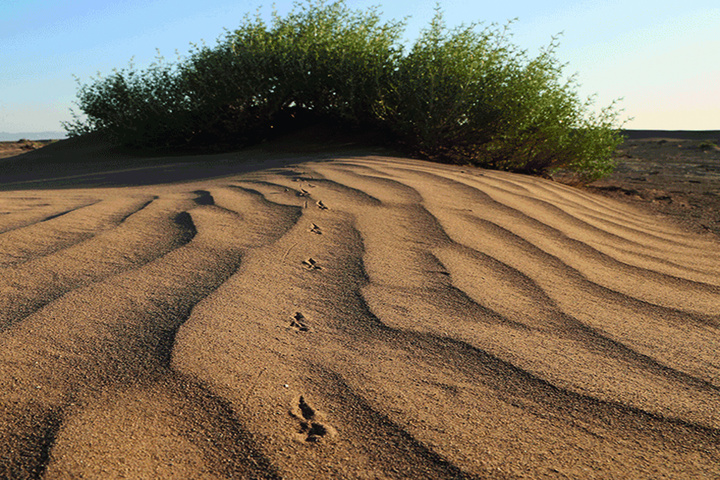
<point>354,318</point>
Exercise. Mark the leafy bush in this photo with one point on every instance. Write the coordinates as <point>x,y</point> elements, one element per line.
<point>463,95</point>
<point>133,108</point>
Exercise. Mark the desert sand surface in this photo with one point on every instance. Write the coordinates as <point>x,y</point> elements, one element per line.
<point>349,315</point>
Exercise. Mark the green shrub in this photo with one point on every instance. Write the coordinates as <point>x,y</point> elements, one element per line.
<point>133,108</point>
<point>323,60</point>
<point>465,95</point>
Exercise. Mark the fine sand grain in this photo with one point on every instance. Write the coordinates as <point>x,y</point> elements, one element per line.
<point>354,317</point>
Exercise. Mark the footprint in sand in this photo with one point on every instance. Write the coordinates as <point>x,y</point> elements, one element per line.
<point>311,264</point>
<point>312,430</point>
<point>321,205</point>
<point>299,322</point>
<point>315,229</point>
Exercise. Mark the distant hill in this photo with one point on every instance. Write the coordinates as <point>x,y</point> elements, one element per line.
<point>12,137</point>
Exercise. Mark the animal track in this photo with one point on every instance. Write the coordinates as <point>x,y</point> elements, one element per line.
<point>204,197</point>
<point>315,229</point>
<point>311,264</point>
<point>299,322</point>
<point>321,205</point>
<point>311,428</point>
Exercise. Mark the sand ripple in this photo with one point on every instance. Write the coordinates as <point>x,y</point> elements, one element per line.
<point>355,318</point>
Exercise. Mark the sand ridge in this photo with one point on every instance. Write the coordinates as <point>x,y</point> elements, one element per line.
<point>357,317</point>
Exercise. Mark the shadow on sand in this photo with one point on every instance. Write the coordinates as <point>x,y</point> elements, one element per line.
<point>90,161</point>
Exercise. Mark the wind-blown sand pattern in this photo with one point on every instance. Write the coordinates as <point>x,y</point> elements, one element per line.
<point>354,318</point>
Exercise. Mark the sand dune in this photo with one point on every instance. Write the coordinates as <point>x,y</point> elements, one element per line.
<point>356,317</point>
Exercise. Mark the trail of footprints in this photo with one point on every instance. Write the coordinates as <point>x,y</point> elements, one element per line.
<point>311,429</point>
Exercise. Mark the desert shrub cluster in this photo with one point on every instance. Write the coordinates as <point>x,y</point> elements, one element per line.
<point>461,95</point>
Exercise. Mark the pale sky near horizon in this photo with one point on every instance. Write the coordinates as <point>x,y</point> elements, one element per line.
<point>661,57</point>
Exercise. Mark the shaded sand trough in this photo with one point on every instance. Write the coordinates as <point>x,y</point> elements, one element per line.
<point>358,317</point>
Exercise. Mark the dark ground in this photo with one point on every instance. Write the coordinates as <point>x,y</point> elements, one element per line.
<point>676,174</point>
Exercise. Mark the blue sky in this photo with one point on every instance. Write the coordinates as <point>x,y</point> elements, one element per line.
<point>661,57</point>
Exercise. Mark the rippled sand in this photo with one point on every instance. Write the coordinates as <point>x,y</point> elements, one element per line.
<point>362,317</point>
